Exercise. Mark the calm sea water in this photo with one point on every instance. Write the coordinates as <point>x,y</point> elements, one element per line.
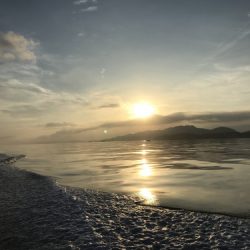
<point>206,175</point>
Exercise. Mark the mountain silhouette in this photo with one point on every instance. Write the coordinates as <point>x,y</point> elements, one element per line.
<point>183,132</point>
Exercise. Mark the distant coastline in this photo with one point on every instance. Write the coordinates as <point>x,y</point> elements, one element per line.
<point>183,132</point>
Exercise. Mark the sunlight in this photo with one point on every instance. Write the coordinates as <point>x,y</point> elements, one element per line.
<point>145,169</point>
<point>143,152</point>
<point>148,196</point>
<point>143,110</point>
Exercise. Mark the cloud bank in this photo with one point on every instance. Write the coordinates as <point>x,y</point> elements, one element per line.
<point>211,119</point>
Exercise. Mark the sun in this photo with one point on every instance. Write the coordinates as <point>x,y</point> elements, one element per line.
<point>143,110</point>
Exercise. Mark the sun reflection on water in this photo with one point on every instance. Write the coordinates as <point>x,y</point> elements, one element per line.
<point>145,169</point>
<point>148,197</point>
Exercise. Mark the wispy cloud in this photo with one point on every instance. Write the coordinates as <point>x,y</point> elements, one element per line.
<point>18,85</point>
<point>26,99</point>
<point>15,47</point>
<point>90,9</point>
<point>59,124</point>
<point>229,45</point>
<point>109,105</point>
<point>225,47</point>
<point>23,111</point>
<point>80,34</point>
<point>78,2</point>
<point>89,5</point>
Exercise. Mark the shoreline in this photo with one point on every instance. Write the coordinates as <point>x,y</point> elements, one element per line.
<point>36,213</point>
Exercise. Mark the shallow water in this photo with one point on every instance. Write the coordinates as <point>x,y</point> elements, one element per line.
<point>35,213</point>
<point>206,175</point>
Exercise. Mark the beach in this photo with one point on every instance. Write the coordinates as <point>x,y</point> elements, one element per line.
<point>38,213</point>
<point>124,125</point>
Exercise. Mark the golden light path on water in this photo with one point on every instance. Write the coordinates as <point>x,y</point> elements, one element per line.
<point>146,171</point>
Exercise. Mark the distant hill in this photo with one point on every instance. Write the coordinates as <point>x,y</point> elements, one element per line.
<point>183,132</point>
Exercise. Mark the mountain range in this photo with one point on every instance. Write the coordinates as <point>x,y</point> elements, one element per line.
<point>183,132</point>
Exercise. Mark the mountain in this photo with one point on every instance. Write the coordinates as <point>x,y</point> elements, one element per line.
<point>183,132</point>
<point>246,134</point>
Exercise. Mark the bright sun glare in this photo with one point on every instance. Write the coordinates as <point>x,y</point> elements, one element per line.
<point>143,110</point>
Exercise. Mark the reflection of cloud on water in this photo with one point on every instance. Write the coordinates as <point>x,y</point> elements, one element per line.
<point>148,197</point>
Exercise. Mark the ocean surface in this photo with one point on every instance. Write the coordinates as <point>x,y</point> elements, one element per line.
<point>200,175</point>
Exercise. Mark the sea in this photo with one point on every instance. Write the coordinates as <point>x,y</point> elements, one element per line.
<point>198,175</point>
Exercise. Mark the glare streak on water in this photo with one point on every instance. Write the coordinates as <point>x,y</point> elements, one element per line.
<point>207,175</point>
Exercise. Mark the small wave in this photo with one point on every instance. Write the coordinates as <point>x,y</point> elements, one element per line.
<point>192,167</point>
<point>9,159</point>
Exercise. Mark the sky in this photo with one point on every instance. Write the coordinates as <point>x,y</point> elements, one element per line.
<point>73,69</point>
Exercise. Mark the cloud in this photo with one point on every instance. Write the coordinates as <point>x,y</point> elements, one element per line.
<point>15,90</point>
<point>237,69</point>
<point>103,70</point>
<point>18,85</point>
<point>78,2</point>
<point>59,124</point>
<point>23,111</point>
<point>110,105</point>
<point>15,47</point>
<point>212,118</point>
<point>90,9</point>
<point>80,34</point>
<point>228,46</point>
<point>43,105</point>
<point>92,5</point>
<point>21,99</point>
